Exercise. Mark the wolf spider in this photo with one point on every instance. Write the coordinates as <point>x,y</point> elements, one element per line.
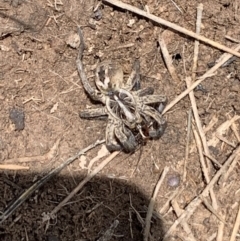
<point>132,112</point>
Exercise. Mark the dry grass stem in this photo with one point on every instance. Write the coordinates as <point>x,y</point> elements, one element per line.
<point>109,233</point>
<point>168,59</point>
<point>222,130</point>
<point>171,25</point>
<point>236,226</point>
<point>203,142</point>
<point>235,131</point>
<point>196,43</point>
<point>225,176</point>
<point>191,207</point>
<point>232,39</point>
<point>203,164</point>
<point>12,167</point>
<point>211,209</point>
<point>26,194</point>
<point>186,228</point>
<point>140,219</point>
<point>220,230</point>
<point>212,159</point>
<point>83,182</point>
<point>224,139</point>
<point>167,203</point>
<point>178,8</point>
<point>44,158</point>
<point>151,205</point>
<point>209,73</point>
<point>187,144</point>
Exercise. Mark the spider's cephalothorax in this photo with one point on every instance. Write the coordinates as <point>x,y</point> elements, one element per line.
<point>131,111</point>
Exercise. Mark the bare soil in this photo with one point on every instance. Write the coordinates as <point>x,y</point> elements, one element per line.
<point>41,96</point>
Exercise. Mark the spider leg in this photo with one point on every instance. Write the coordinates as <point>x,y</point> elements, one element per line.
<point>94,94</point>
<point>145,91</point>
<point>94,113</point>
<point>133,81</point>
<point>125,137</point>
<point>159,100</point>
<point>111,141</point>
<point>158,125</point>
<point>152,99</point>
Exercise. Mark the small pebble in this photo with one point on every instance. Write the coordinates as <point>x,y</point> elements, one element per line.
<point>73,40</point>
<point>173,181</point>
<point>17,117</point>
<point>97,15</point>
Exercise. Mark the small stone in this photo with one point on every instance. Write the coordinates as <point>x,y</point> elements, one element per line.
<point>17,116</point>
<point>97,15</point>
<point>73,40</point>
<point>173,181</point>
<point>131,23</point>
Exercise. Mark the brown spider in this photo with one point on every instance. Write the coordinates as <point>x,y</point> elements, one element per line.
<point>131,111</point>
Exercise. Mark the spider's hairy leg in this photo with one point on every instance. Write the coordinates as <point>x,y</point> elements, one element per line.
<point>125,137</point>
<point>152,99</point>
<point>133,81</point>
<point>111,141</point>
<point>145,91</point>
<point>159,100</point>
<point>94,94</point>
<point>159,123</point>
<point>94,113</point>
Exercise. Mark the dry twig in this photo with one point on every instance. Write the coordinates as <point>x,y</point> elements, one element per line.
<point>151,205</point>
<point>191,207</point>
<point>236,226</point>
<point>220,230</point>
<point>212,159</point>
<point>187,229</point>
<point>168,59</point>
<point>209,73</point>
<point>196,44</point>
<point>83,182</point>
<point>171,25</point>
<point>187,144</point>
<point>24,196</point>
<point>225,176</point>
<point>46,157</point>
<point>201,143</point>
<point>12,167</point>
<point>172,197</point>
<point>109,233</point>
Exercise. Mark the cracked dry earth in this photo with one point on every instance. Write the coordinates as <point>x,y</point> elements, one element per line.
<point>41,96</point>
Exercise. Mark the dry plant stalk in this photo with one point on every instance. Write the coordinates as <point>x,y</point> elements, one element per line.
<point>46,157</point>
<point>220,230</point>
<point>171,25</point>
<point>172,197</point>
<point>168,59</point>
<point>151,205</point>
<point>27,193</point>
<point>83,182</point>
<point>187,145</point>
<point>196,44</point>
<point>191,207</point>
<point>208,74</point>
<point>107,236</point>
<point>13,167</point>
<point>186,228</point>
<point>203,142</point>
<point>236,226</point>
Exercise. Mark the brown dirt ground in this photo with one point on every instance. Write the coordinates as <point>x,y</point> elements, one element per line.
<point>38,76</point>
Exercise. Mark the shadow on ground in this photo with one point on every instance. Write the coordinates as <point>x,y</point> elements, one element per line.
<point>86,217</point>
